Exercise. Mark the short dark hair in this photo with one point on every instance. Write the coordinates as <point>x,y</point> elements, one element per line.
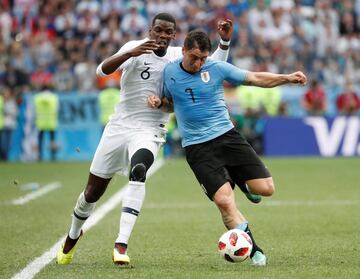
<point>164,16</point>
<point>197,39</point>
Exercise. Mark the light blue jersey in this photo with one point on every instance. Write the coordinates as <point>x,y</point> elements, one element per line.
<point>198,98</point>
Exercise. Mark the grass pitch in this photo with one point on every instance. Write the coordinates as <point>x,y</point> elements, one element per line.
<point>310,228</point>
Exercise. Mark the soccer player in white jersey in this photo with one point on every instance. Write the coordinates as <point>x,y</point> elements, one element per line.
<point>135,132</point>
<point>218,155</point>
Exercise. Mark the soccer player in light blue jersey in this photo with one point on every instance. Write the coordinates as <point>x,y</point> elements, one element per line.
<point>218,155</point>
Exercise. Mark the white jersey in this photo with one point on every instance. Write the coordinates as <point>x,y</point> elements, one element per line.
<point>141,78</point>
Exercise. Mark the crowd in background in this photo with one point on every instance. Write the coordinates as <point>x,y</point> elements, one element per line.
<point>59,43</point>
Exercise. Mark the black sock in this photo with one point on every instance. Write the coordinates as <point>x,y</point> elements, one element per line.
<point>255,247</point>
<point>243,188</point>
<point>70,243</point>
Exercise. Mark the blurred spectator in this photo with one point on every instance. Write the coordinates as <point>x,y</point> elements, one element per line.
<point>314,100</point>
<point>8,121</point>
<point>154,7</point>
<point>63,80</point>
<point>283,5</point>
<point>21,58</point>
<point>348,102</point>
<point>65,20</point>
<point>332,75</point>
<point>279,30</point>
<point>46,120</point>
<point>348,23</point>
<point>42,50</point>
<point>85,82</point>
<point>133,23</point>
<point>317,71</point>
<point>41,78</point>
<point>326,37</point>
<point>249,98</point>
<point>5,24</point>
<point>42,28</point>
<point>237,7</point>
<point>116,7</point>
<point>110,33</point>
<point>270,100</point>
<point>88,23</point>
<point>260,19</point>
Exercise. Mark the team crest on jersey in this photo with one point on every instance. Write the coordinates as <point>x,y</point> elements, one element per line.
<point>205,76</point>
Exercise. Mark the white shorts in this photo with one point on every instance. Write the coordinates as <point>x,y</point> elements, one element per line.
<point>118,144</point>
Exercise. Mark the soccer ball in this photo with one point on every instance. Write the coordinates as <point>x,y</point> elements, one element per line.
<point>235,245</point>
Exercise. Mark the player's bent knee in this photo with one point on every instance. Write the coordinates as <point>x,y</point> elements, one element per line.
<point>138,172</point>
<point>223,201</point>
<point>269,188</point>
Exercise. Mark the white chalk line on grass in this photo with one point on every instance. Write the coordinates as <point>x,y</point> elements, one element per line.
<point>39,263</point>
<point>37,193</point>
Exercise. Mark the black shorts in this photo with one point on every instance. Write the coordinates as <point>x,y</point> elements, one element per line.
<point>228,157</point>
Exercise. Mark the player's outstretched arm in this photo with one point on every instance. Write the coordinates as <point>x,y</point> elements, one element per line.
<point>111,64</point>
<point>164,104</point>
<point>266,79</point>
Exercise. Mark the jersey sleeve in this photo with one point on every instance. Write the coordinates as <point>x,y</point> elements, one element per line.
<point>232,74</point>
<point>220,54</point>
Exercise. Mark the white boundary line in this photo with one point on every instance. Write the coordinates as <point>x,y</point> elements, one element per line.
<point>36,194</point>
<point>39,263</point>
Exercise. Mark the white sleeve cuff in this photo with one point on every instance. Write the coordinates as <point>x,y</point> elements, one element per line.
<point>99,70</point>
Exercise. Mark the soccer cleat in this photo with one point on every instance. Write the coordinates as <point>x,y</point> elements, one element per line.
<point>119,255</point>
<point>63,258</point>
<point>258,259</point>
<point>253,197</point>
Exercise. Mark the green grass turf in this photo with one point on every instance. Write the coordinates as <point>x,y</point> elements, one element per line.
<point>310,228</point>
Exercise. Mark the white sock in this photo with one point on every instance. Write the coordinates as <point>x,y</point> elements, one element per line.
<point>82,211</point>
<point>131,206</point>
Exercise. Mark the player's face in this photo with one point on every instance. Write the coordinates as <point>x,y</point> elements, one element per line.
<point>194,59</point>
<point>162,32</point>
